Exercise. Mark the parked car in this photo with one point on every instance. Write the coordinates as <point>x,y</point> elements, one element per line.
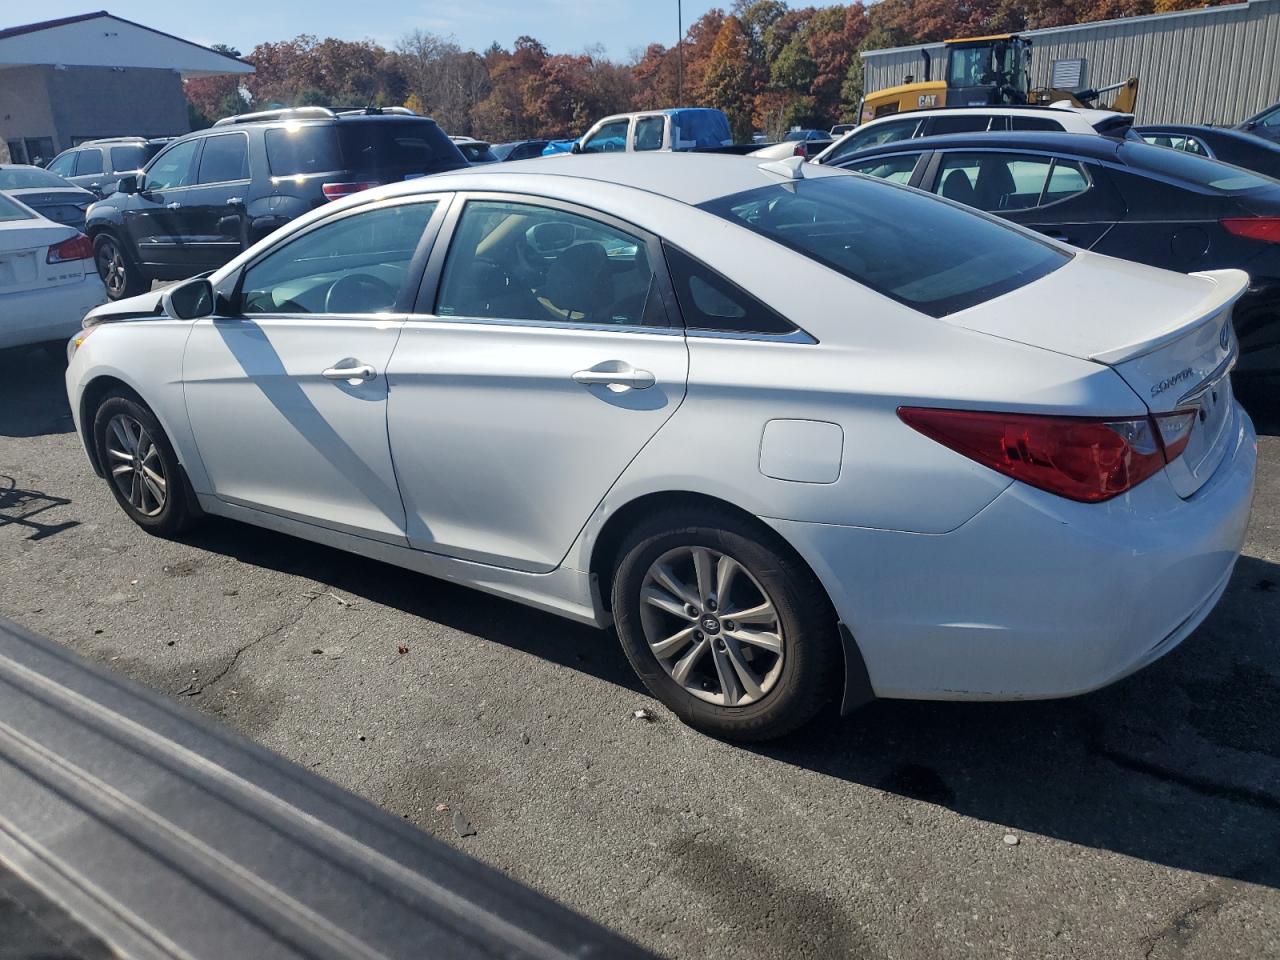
<point>98,165</point>
<point>624,398</point>
<point>1265,124</point>
<point>1144,203</point>
<point>806,135</point>
<point>678,129</point>
<point>47,282</point>
<point>475,151</point>
<point>1218,143</point>
<point>212,193</point>
<point>46,193</point>
<point>519,149</point>
<point>840,129</point>
<point>806,149</point>
<point>943,120</point>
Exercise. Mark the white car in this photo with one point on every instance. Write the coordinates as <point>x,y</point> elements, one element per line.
<point>47,278</point>
<point>944,120</point>
<point>619,390</point>
<point>46,193</point>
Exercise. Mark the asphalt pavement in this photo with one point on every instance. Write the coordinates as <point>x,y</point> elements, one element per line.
<point>1139,821</point>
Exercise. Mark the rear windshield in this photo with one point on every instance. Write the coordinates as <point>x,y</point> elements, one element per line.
<point>21,178</point>
<point>366,147</point>
<point>931,255</point>
<point>10,211</point>
<point>1200,171</point>
<point>133,157</point>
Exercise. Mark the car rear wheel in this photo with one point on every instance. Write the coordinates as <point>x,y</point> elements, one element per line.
<point>141,467</point>
<point>118,272</point>
<point>725,625</point>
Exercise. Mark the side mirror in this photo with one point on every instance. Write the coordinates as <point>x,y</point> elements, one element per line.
<point>190,300</point>
<point>576,148</point>
<point>128,183</point>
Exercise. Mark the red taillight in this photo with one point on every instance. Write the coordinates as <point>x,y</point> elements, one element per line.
<point>1080,458</point>
<point>1266,229</point>
<point>334,191</point>
<point>78,247</point>
<point>800,151</point>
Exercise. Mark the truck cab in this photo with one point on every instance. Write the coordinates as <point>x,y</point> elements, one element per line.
<point>677,129</point>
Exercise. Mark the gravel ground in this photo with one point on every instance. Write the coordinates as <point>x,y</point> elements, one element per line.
<point>1140,821</point>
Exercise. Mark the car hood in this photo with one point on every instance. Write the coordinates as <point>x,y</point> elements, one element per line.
<point>145,306</point>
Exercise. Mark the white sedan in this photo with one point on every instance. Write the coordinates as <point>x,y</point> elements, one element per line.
<point>47,278</point>
<point>798,434</point>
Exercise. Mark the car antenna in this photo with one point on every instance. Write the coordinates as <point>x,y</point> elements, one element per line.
<point>791,168</point>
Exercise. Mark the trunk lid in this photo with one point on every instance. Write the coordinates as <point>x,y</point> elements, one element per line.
<point>24,251</point>
<point>61,206</point>
<point>1167,335</point>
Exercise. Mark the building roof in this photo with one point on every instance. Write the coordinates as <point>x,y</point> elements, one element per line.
<point>1091,25</point>
<point>102,39</point>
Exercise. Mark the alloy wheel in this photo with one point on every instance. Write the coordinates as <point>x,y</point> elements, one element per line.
<point>111,268</point>
<point>712,626</point>
<point>136,467</point>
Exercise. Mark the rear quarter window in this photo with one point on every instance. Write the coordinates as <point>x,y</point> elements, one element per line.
<point>409,146</point>
<point>933,256</point>
<point>299,150</point>
<point>1191,169</point>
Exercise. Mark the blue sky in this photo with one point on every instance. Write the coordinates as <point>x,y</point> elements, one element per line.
<point>565,26</point>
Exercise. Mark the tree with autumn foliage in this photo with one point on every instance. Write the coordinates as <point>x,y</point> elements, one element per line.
<point>726,81</point>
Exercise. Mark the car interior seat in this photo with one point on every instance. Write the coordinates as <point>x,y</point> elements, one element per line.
<point>957,187</point>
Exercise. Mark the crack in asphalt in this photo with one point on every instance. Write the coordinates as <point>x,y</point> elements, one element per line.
<point>1183,926</point>
<point>1201,785</point>
<point>193,690</point>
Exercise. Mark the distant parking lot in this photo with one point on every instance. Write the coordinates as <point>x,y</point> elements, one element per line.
<point>1141,821</point>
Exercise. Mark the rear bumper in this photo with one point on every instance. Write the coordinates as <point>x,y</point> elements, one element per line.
<point>1036,596</point>
<point>51,313</point>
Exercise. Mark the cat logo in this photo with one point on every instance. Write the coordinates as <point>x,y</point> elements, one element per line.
<point>927,100</point>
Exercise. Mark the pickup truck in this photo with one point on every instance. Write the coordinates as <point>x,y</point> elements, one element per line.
<point>685,129</point>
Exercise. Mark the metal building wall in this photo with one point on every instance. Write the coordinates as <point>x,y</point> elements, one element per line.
<point>1218,65</point>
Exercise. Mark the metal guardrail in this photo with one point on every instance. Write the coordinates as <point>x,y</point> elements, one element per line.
<point>164,835</point>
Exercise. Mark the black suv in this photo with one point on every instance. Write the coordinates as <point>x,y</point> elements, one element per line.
<point>211,194</point>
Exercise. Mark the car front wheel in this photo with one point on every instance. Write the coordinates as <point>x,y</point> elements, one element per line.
<point>725,625</point>
<point>141,466</point>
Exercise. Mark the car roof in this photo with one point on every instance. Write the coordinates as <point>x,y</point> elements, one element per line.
<point>1080,144</point>
<point>1205,130</point>
<point>690,178</point>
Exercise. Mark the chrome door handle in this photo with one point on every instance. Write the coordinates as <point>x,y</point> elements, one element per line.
<point>353,372</point>
<point>615,375</point>
<point>235,201</point>
<point>173,206</point>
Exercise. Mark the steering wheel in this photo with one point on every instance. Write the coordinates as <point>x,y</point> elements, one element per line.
<point>356,291</point>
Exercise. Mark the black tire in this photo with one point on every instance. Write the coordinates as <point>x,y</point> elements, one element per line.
<point>117,269</point>
<point>176,515</point>
<point>811,667</point>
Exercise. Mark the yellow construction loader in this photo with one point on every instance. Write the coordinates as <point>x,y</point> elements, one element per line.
<point>988,70</point>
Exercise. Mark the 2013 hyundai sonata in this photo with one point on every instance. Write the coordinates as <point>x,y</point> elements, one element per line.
<point>799,434</point>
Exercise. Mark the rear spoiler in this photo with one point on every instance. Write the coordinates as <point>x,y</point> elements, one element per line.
<point>1228,287</point>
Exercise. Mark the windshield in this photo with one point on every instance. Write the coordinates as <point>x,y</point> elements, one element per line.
<point>985,66</point>
<point>933,256</point>
<point>22,178</point>
<point>1200,171</point>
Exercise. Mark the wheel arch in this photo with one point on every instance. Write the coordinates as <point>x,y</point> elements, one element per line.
<point>855,686</point>
<point>91,397</point>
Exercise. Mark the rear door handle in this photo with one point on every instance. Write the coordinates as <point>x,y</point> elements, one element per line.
<point>352,371</point>
<point>173,206</point>
<point>235,201</point>
<point>617,375</point>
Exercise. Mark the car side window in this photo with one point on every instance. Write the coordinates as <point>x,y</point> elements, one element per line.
<point>522,261</point>
<point>890,131</point>
<point>352,265</point>
<point>709,301</point>
<point>1004,182</point>
<point>88,162</point>
<point>648,135</point>
<point>173,168</point>
<point>964,123</point>
<point>225,158</point>
<point>64,165</point>
<point>895,169</point>
<point>1034,123</point>
<point>608,139</point>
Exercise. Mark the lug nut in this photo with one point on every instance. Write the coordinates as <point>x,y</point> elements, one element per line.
<point>711,605</point>
<point>721,646</point>
<point>730,625</point>
<point>691,610</point>
<point>697,634</point>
